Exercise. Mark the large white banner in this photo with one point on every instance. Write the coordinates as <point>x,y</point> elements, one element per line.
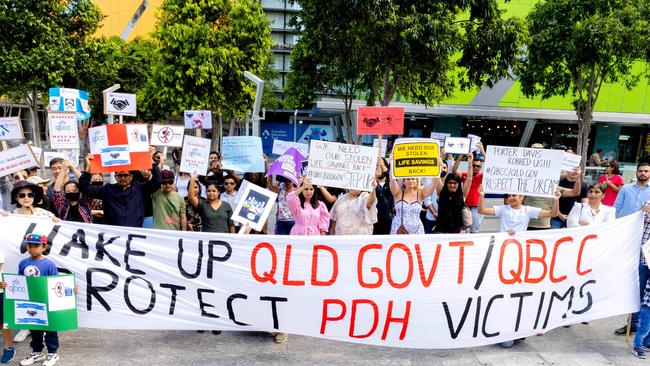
<point>419,291</point>
<point>342,165</point>
<point>521,170</point>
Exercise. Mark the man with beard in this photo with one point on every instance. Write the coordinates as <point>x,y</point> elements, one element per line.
<point>631,199</point>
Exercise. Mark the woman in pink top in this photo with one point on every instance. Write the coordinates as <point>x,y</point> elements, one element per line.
<point>310,214</point>
<point>613,182</point>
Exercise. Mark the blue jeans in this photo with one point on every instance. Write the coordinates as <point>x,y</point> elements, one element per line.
<point>428,226</point>
<point>557,223</point>
<point>148,222</point>
<point>51,341</point>
<point>644,275</point>
<point>477,218</point>
<point>643,329</point>
<point>283,227</point>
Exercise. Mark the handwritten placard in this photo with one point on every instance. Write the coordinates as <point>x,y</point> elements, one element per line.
<point>416,158</point>
<point>570,162</point>
<point>380,120</point>
<point>16,159</point>
<point>242,154</point>
<point>341,165</point>
<point>195,156</point>
<point>520,170</point>
<point>63,130</point>
<point>10,128</point>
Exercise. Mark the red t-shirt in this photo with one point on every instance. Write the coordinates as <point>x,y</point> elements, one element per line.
<point>472,195</point>
<point>610,194</point>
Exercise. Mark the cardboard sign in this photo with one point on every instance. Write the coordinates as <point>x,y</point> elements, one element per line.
<point>341,165</point>
<point>120,104</point>
<point>11,128</point>
<point>254,207</point>
<point>16,159</point>
<point>119,147</point>
<point>384,144</point>
<point>570,162</point>
<point>64,133</point>
<point>69,100</point>
<point>45,303</point>
<point>280,147</point>
<point>380,120</point>
<point>320,286</point>
<point>521,170</point>
<point>198,119</point>
<point>242,154</point>
<point>195,155</point>
<point>458,145</point>
<point>165,135</point>
<point>416,158</point>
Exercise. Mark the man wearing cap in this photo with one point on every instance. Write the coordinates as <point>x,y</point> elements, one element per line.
<point>124,201</point>
<point>168,205</point>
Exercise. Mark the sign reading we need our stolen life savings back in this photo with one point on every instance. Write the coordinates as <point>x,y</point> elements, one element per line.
<point>119,147</point>
<point>415,291</point>
<point>40,303</point>
<point>416,158</point>
<point>342,165</point>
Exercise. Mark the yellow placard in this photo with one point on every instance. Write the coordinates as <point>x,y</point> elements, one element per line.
<point>416,158</point>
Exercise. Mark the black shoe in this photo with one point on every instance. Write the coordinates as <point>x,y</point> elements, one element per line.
<point>200,331</point>
<point>623,330</point>
<point>217,332</point>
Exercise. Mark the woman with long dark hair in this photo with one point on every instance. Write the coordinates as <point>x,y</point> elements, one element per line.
<point>310,214</point>
<point>215,213</point>
<point>613,182</point>
<point>450,206</point>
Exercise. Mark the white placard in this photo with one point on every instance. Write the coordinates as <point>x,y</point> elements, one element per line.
<point>166,135</point>
<point>120,104</point>
<point>458,145</point>
<point>521,170</point>
<point>29,312</point>
<point>16,159</point>
<point>138,137</point>
<point>440,136</point>
<point>384,144</point>
<point>254,206</point>
<point>98,139</point>
<point>60,293</point>
<point>16,287</point>
<point>570,162</point>
<point>280,147</point>
<point>342,165</point>
<point>476,142</point>
<point>196,151</point>
<point>71,154</point>
<point>398,290</point>
<point>10,128</point>
<point>64,133</point>
<point>38,152</point>
<point>198,119</point>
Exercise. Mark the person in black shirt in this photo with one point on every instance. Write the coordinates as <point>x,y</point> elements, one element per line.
<point>385,200</point>
<point>568,198</point>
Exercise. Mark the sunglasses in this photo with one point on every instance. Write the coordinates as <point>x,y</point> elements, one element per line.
<point>122,175</point>
<point>167,182</point>
<point>477,166</point>
<point>23,195</point>
<point>229,184</point>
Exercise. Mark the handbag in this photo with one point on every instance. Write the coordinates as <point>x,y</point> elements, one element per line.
<point>401,230</point>
<point>467,216</point>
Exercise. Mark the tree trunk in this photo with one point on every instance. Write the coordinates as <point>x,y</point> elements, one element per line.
<point>231,130</point>
<point>33,106</point>
<point>584,127</point>
<point>348,125</point>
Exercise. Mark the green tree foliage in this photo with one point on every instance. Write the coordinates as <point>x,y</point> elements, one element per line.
<point>577,45</point>
<point>205,47</point>
<point>410,48</point>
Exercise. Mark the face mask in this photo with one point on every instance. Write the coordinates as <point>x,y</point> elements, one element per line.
<point>72,196</point>
<point>97,183</point>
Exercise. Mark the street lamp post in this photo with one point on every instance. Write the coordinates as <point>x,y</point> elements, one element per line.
<point>258,101</point>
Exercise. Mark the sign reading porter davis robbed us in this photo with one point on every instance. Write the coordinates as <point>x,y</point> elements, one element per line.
<point>341,165</point>
<point>520,170</point>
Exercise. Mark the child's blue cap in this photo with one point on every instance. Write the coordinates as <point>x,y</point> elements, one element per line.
<point>35,239</point>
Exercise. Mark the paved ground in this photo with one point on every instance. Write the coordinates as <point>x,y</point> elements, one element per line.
<point>584,345</point>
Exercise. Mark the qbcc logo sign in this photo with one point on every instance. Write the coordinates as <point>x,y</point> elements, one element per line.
<point>98,136</point>
<point>16,287</point>
<point>62,126</point>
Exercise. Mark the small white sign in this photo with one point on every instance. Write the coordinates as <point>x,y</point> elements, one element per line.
<point>16,287</point>
<point>476,142</point>
<point>60,293</point>
<point>384,143</point>
<point>64,133</point>
<point>254,207</point>
<point>16,159</point>
<point>570,162</point>
<point>440,136</point>
<point>120,104</point>
<point>165,135</point>
<point>38,153</point>
<point>28,312</point>
<point>458,145</point>
<point>116,155</point>
<point>195,156</point>
<point>11,128</point>
<point>280,147</point>
<point>138,137</point>
<point>198,119</point>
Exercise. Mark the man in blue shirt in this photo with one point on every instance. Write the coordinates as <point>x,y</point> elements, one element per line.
<point>631,199</point>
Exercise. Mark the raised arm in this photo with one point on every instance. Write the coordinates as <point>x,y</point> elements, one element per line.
<point>555,209</point>
<point>327,195</point>
<point>470,174</point>
<point>270,186</point>
<point>193,192</point>
<point>481,207</point>
<point>372,198</point>
<point>60,180</point>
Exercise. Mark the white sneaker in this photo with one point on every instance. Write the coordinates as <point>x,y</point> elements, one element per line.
<point>33,357</point>
<point>50,359</point>
<point>22,335</point>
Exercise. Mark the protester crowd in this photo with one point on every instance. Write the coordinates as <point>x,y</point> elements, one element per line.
<point>164,198</point>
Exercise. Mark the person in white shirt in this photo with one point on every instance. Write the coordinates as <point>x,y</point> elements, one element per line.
<point>593,211</point>
<point>514,215</point>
